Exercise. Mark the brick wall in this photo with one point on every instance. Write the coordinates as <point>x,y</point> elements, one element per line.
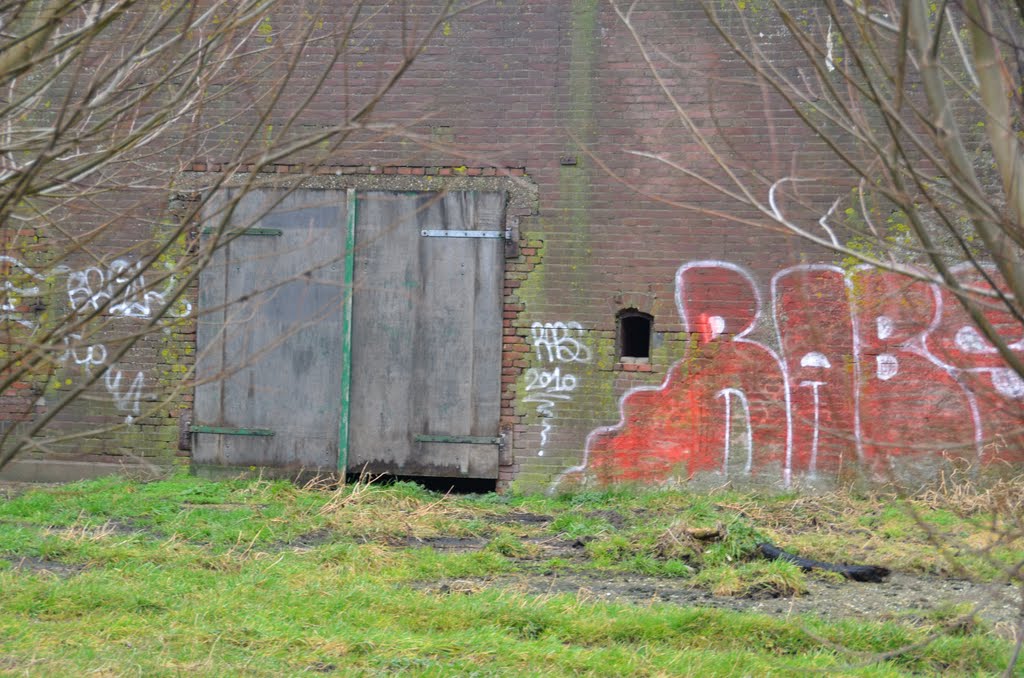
<point>821,368</point>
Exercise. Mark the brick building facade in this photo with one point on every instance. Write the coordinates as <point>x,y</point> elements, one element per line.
<point>652,330</point>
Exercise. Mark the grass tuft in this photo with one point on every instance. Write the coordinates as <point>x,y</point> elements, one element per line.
<point>770,579</point>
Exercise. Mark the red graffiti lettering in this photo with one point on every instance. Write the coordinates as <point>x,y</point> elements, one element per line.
<point>864,367</point>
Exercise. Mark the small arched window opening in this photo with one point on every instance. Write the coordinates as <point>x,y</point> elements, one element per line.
<point>634,330</point>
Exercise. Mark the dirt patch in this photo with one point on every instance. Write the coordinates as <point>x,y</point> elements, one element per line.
<point>119,527</point>
<point>445,543</point>
<point>30,564</point>
<point>610,516</point>
<point>222,506</point>
<point>111,526</point>
<point>307,541</point>
<point>559,547</point>
<point>901,597</point>
<point>524,519</point>
<point>322,667</point>
<point>10,489</point>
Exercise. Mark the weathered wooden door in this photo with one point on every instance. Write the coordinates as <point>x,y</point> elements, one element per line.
<point>426,334</point>
<point>270,333</point>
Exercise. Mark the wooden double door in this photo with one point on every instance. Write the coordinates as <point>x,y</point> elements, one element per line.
<point>344,330</point>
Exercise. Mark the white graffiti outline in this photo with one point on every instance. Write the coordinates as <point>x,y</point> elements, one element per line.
<point>887,366</point>
<point>741,338</point>
<point>914,345</point>
<point>728,393</point>
<point>815,385</point>
<point>818,360</point>
<point>986,348</point>
<point>918,345</point>
<point>10,287</point>
<point>1008,383</point>
<point>553,387</point>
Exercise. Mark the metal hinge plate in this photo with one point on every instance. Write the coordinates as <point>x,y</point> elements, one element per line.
<point>441,233</point>
<point>471,440</point>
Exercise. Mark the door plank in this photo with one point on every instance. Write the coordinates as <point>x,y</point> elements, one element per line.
<point>426,356</point>
<point>279,338</point>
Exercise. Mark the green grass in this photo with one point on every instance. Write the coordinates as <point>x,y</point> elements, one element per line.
<point>753,578</point>
<point>264,578</point>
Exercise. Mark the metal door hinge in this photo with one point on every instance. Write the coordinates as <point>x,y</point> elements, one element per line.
<point>471,440</point>
<point>504,446</point>
<point>441,233</point>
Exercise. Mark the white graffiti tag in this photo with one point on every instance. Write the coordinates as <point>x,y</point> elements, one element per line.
<point>560,342</point>
<point>556,342</point>
<point>122,289</point>
<point>552,387</point>
<point>88,355</point>
<point>546,389</point>
<point>12,292</point>
<point>126,396</point>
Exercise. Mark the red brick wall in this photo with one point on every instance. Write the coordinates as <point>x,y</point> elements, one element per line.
<point>559,92</point>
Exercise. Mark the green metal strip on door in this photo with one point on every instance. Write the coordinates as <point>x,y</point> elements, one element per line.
<point>226,431</point>
<point>471,440</point>
<point>346,338</point>
<point>246,231</point>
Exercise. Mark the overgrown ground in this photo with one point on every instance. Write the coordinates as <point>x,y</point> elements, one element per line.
<point>116,577</point>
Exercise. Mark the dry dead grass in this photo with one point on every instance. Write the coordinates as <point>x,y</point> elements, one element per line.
<point>79,533</point>
<point>367,510</point>
<point>681,541</point>
<point>957,490</point>
<point>959,526</point>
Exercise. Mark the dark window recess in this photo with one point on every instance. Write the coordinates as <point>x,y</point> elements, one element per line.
<point>634,334</point>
